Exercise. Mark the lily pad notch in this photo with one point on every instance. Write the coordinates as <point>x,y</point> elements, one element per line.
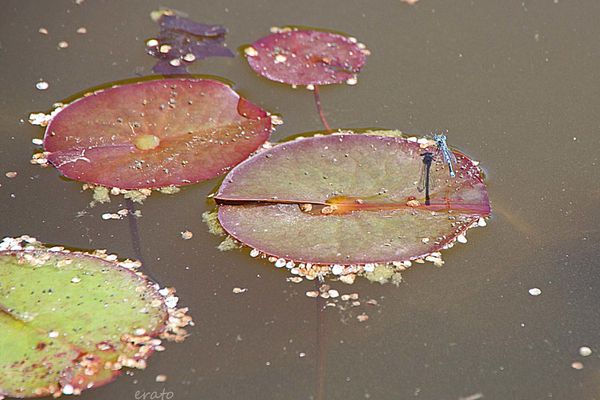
<point>344,203</point>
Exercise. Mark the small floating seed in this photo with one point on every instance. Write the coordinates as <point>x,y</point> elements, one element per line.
<point>11,174</point>
<point>362,317</point>
<point>82,30</point>
<point>306,207</point>
<point>413,203</point>
<point>63,44</point>
<point>238,290</point>
<point>535,291</point>
<point>152,43</point>
<point>337,269</point>
<point>577,365</point>
<point>43,31</point>
<point>312,293</point>
<point>585,351</point>
<point>42,85</point>
<point>280,263</point>
<point>327,210</point>
<point>250,51</point>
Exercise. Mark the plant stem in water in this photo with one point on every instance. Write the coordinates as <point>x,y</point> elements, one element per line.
<point>320,109</point>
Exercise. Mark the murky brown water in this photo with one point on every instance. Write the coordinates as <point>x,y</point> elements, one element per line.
<point>516,84</point>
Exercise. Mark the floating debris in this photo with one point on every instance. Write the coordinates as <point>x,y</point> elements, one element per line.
<point>63,44</point>
<point>585,351</point>
<point>535,291</point>
<point>43,31</point>
<point>577,365</point>
<point>81,30</point>
<point>11,174</point>
<point>186,235</point>
<point>362,317</point>
<point>42,85</point>
<point>238,290</point>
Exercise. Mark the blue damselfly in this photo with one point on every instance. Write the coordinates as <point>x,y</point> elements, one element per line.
<point>447,155</point>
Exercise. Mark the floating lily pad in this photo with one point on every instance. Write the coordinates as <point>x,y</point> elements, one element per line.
<point>154,134</point>
<point>349,199</point>
<point>71,320</point>
<point>307,57</point>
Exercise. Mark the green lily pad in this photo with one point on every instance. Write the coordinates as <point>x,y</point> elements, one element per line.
<point>71,320</point>
<point>349,199</point>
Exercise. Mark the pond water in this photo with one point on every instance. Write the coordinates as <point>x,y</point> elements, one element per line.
<point>515,84</point>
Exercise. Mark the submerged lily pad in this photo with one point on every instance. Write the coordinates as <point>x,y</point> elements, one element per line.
<point>71,320</point>
<point>349,199</point>
<point>307,57</point>
<point>182,41</point>
<point>154,134</point>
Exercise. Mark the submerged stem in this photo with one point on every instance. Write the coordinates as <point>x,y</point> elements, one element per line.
<point>320,109</point>
<point>134,231</point>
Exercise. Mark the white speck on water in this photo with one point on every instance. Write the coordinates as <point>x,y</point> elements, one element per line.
<point>42,85</point>
<point>75,279</point>
<point>63,44</point>
<point>585,351</point>
<point>535,291</point>
<point>577,365</point>
<point>238,290</point>
<point>280,263</point>
<point>53,334</point>
<point>37,142</point>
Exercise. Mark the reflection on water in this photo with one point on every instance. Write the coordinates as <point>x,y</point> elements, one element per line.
<point>513,82</point>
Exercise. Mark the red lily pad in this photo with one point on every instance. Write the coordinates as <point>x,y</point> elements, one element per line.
<point>349,199</point>
<point>307,57</point>
<point>71,320</point>
<point>155,133</point>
